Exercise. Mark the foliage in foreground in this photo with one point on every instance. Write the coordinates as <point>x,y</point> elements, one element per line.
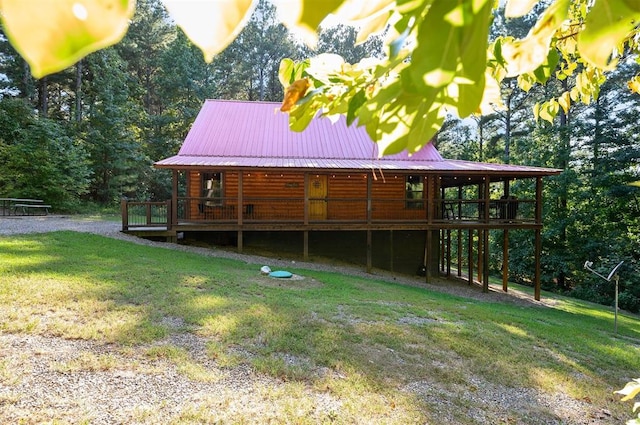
<point>390,353</point>
<point>440,58</point>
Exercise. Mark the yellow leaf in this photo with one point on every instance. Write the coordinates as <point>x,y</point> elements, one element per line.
<point>517,8</point>
<point>536,111</point>
<point>548,110</point>
<point>357,10</point>
<point>634,84</point>
<point>294,92</point>
<point>210,24</point>
<point>375,25</point>
<point>53,35</point>
<point>565,102</point>
<point>630,390</point>
<point>491,98</point>
<point>606,27</point>
<point>528,54</point>
<point>304,16</point>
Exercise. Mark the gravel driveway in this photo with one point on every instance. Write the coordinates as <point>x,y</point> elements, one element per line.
<point>31,388</point>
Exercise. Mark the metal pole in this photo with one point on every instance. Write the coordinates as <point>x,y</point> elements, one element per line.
<point>615,317</point>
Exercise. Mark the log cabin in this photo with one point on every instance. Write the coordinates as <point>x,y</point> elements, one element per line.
<point>242,172</point>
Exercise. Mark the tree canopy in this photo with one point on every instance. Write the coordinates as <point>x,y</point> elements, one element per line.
<point>439,58</point>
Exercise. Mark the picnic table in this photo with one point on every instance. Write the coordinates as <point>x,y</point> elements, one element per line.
<point>23,206</point>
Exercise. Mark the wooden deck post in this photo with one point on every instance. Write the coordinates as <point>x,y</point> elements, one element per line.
<point>480,255</point>
<point>124,210</point>
<point>505,260</point>
<point>505,244</point>
<point>470,255</point>
<point>305,245</point>
<point>459,232</point>
<point>239,211</point>
<point>391,249</point>
<point>442,234</point>
<point>369,247</point>
<point>429,255</point>
<point>448,252</point>
<point>173,220</point>
<point>306,198</point>
<point>538,242</point>
<point>485,274</point>
<point>240,208</point>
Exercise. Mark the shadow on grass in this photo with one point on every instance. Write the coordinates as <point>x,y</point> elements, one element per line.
<point>345,334</point>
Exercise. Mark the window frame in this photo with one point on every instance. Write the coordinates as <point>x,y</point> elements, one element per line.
<point>414,192</point>
<point>213,195</point>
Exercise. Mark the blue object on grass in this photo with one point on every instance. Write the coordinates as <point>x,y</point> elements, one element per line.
<point>281,274</point>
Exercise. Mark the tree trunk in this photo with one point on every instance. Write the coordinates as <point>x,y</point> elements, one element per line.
<point>43,97</point>
<point>507,131</point>
<point>78,90</point>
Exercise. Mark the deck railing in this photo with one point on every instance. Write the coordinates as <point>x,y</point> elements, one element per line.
<point>145,214</point>
<point>193,210</point>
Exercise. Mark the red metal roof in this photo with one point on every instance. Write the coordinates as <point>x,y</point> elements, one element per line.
<point>256,134</point>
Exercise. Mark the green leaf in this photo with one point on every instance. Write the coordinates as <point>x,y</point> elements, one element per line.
<point>210,24</point>
<point>435,57</point>
<point>425,125</point>
<point>396,45</point>
<point>34,28</point>
<point>306,109</point>
<point>474,39</point>
<point>607,25</point>
<point>354,106</point>
<point>286,72</point>
<point>544,71</point>
<point>470,97</point>
<point>526,55</point>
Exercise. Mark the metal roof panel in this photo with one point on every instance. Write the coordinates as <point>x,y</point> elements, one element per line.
<point>256,134</point>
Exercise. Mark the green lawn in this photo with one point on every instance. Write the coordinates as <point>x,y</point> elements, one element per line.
<point>389,353</point>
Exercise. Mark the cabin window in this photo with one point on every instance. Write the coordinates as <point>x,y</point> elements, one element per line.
<point>212,188</point>
<point>414,192</point>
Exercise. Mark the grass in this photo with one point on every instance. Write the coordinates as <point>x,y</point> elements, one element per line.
<point>388,353</point>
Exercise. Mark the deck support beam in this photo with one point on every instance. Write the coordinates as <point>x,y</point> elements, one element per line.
<point>369,247</point>
<point>505,260</point>
<point>480,255</point>
<point>428,255</point>
<point>391,249</point>
<point>538,242</point>
<point>173,219</point>
<point>485,274</point>
<point>505,246</point>
<point>305,245</point>
<point>470,256</point>
<point>448,252</point>
<point>459,232</point>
